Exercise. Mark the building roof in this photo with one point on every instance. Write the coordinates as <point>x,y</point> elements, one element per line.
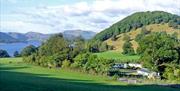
<point>145,70</point>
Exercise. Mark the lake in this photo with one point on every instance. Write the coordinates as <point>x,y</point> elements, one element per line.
<point>12,47</point>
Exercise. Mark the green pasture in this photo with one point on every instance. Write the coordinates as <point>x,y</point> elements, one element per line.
<point>18,76</point>
<point>118,56</point>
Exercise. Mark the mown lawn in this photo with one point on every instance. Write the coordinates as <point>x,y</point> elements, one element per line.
<point>117,56</point>
<point>18,76</point>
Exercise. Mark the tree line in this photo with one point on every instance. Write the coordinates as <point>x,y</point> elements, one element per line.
<point>26,51</point>
<point>5,54</point>
<point>57,52</point>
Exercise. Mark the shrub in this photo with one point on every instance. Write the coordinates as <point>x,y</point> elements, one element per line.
<point>115,77</point>
<point>66,63</point>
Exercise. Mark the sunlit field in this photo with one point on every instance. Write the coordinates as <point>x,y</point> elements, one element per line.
<point>118,56</point>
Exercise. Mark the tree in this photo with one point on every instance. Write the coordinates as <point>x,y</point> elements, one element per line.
<point>78,46</point>
<point>53,45</point>
<point>52,52</point>
<point>127,48</point>
<point>143,33</point>
<point>158,20</point>
<point>28,50</point>
<point>157,49</point>
<point>93,46</point>
<point>136,25</point>
<point>173,24</point>
<point>3,53</point>
<point>80,60</point>
<point>16,54</point>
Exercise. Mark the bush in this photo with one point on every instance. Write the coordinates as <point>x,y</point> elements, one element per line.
<point>75,65</point>
<point>115,77</point>
<point>172,73</point>
<point>66,63</point>
<point>128,49</point>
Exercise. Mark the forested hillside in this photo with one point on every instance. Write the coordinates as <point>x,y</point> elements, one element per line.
<point>112,37</point>
<point>138,20</point>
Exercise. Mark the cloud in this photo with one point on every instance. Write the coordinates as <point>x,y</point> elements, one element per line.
<point>79,9</point>
<point>95,16</point>
<point>12,1</point>
<point>23,27</point>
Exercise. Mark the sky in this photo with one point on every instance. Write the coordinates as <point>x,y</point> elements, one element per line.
<point>53,16</point>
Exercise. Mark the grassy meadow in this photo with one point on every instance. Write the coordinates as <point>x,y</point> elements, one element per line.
<point>117,56</point>
<point>18,76</point>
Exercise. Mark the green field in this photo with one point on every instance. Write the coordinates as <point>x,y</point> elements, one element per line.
<point>117,56</point>
<point>18,76</point>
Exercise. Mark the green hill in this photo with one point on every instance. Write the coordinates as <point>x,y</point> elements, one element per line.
<point>156,21</point>
<point>138,20</point>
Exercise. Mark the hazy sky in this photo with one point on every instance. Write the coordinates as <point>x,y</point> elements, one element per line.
<point>51,16</point>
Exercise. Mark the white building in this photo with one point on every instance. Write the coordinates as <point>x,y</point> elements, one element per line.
<point>147,73</point>
<point>126,65</point>
<point>135,65</point>
<point>144,72</point>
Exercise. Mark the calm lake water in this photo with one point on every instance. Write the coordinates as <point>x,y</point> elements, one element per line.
<point>12,47</point>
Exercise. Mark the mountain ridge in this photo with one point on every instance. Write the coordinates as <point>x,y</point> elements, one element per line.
<point>11,37</point>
